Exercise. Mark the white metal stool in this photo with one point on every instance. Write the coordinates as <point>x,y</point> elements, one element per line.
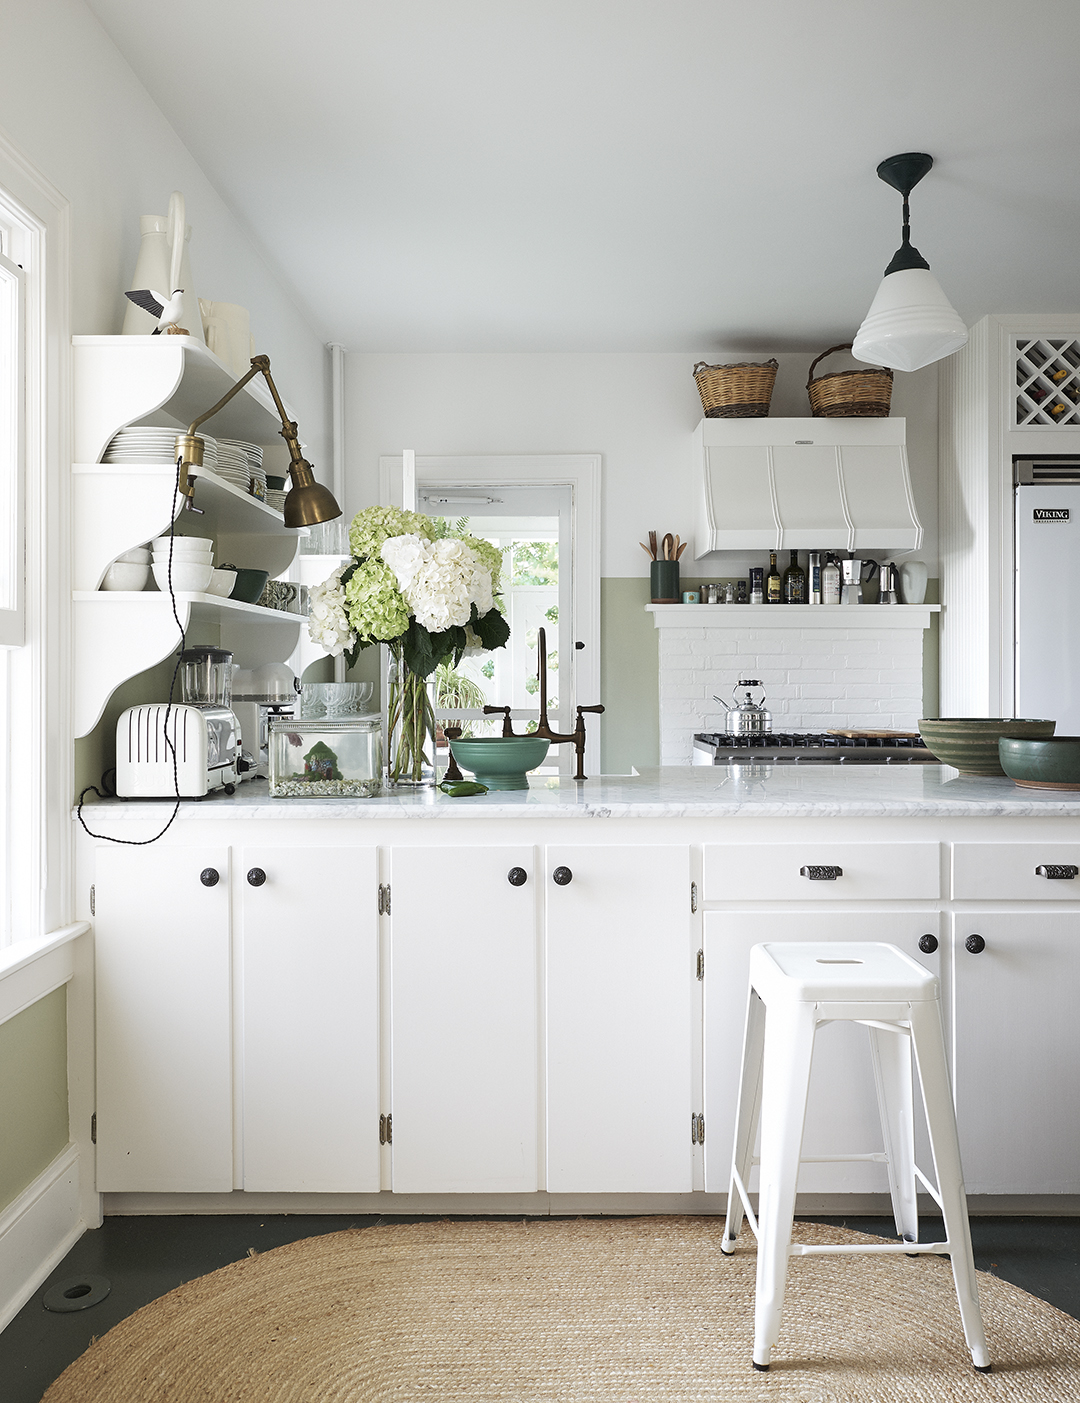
<point>794,990</point>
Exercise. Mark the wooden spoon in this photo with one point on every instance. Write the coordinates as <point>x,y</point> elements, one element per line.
<point>652,543</point>
<point>678,553</point>
<point>675,549</point>
<point>669,543</point>
<point>646,549</point>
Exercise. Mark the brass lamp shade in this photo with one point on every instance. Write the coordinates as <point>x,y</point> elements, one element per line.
<point>310,503</point>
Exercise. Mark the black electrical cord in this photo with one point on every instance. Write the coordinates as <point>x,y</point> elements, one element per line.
<point>92,788</point>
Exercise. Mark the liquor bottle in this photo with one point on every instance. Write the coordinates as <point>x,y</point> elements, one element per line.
<point>757,593</point>
<point>815,577</point>
<point>794,581</point>
<point>773,587</point>
<point>830,581</point>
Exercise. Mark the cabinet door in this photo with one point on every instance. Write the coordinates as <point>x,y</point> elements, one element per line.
<point>309,960</point>
<point>464,1022</point>
<point>841,1115</point>
<point>164,1043</point>
<point>1016,1073</point>
<point>621,989</point>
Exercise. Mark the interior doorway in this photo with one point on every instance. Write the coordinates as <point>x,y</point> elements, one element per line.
<point>542,513</point>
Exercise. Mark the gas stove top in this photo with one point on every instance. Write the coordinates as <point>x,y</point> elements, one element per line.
<point>803,748</point>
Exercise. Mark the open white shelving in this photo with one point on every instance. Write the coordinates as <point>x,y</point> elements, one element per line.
<point>166,381</point>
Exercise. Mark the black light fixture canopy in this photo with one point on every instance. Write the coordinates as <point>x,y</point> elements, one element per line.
<point>903,173</point>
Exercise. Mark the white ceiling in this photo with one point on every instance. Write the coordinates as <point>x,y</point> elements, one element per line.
<point>523,175</point>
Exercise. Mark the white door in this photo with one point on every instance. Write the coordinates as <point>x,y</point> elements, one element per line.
<point>620,996</point>
<point>309,972</point>
<point>842,1115</point>
<point>464,1063</point>
<point>164,1045</point>
<point>1016,1073</point>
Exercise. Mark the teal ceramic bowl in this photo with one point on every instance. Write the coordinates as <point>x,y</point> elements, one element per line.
<point>500,762</point>
<point>1041,764</point>
<point>970,743</point>
<point>249,585</point>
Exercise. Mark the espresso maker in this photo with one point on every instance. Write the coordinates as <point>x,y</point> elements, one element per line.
<point>259,693</point>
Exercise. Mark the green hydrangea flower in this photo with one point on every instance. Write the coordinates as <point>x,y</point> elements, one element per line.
<point>374,525</point>
<point>374,604</point>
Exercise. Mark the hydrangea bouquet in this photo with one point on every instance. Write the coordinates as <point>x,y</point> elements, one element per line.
<point>431,595</point>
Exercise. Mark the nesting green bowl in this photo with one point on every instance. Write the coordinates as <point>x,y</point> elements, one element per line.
<point>1041,764</point>
<point>500,762</point>
<point>970,743</point>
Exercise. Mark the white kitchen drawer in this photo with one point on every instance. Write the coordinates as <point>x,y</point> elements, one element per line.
<point>775,871</point>
<point>1007,871</point>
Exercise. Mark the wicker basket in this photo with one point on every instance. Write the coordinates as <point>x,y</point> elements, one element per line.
<point>740,391</point>
<point>849,394</point>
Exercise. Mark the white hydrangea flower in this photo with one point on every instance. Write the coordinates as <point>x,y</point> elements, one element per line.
<point>405,555</point>
<point>328,624</point>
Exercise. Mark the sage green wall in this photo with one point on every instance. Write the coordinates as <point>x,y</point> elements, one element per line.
<point>33,1092</point>
<point>630,672</point>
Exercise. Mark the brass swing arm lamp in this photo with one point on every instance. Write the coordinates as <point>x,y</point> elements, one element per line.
<point>308,502</point>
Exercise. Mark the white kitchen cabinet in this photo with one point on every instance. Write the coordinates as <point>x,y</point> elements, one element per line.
<point>1014,1050</point>
<point>308,957</point>
<point>620,1000</point>
<point>817,871</point>
<point>1016,871</point>
<point>842,1115</point>
<point>464,1057</point>
<point>164,1045</point>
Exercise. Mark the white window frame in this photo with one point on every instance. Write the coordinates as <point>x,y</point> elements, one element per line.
<point>12,423</point>
<point>38,744</point>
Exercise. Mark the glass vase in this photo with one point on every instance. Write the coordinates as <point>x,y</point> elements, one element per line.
<point>410,725</point>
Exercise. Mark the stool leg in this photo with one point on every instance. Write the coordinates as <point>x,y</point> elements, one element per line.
<point>945,1146</point>
<point>746,1118</point>
<point>785,1082</point>
<point>891,1056</point>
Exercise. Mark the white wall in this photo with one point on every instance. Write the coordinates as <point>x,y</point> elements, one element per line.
<point>639,410</point>
<point>72,105</point>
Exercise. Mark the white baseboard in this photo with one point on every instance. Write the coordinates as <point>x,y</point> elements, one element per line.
<point>37,1231</point>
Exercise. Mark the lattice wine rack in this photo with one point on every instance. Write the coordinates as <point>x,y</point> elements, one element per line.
<point>1047,382</point>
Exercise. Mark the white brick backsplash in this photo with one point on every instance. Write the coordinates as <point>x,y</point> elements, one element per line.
<point>815,679</point>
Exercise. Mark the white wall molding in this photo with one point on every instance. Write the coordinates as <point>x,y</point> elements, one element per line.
<point>37,1231</point>
<point>822,666</point>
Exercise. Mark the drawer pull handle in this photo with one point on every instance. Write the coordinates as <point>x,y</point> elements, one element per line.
<point>821,874</point>
<point>975,944</point>
<point>562,876</point>
<point>1057,871</point>
<point>209,876</point>
<point>517,876</point>
<point>256,877</point>
<point>928,944</point>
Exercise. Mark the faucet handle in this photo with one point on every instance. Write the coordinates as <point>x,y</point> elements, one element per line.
<point>508,725</point>
<point>589,708</point>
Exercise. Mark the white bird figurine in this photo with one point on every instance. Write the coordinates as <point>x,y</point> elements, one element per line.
<point>158,304</point>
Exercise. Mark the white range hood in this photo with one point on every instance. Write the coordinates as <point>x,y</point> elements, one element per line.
<point>804,484</point>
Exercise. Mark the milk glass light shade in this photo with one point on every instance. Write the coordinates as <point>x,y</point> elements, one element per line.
<point>911,323</point>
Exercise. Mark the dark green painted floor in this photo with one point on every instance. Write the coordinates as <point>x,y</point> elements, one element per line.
<point>145,1257</point>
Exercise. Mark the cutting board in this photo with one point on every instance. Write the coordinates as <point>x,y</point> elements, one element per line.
<point>877,735</point>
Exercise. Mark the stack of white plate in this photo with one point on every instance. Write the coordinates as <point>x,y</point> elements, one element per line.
<point>275,498</point>
<point>149,446</point>
<point>239,462</point>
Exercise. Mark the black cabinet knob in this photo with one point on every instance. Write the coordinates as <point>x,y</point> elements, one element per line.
<point>517,876</point>
<point>209,876</point>
<point>928,944</point>
<point>256,877</point>
<point>975,944</point>
<point>562,876</point>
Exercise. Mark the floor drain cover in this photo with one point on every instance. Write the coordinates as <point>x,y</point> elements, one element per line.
<point>77,1293</point>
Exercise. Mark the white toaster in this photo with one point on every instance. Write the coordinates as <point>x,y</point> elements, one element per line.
<point>207,741</point>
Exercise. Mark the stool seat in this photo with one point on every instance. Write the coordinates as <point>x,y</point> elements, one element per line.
<point>795,988</point>
<point>828,972</point>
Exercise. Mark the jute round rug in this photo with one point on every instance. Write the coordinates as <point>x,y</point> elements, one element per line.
<point>642,1310</point>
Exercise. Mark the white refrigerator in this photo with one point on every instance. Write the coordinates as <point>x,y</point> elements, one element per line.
<point>1047,600</point>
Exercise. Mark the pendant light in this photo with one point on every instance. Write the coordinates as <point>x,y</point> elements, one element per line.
<point>910,322</point>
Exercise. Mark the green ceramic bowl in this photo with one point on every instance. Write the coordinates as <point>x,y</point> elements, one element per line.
<point>1041,764</point>
<point>971,743</point>
<point>249,585</point>
<point>500,762</point>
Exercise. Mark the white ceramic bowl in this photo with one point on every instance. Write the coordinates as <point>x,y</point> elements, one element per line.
<point>126,575</point>
<point>186,576</point>
<point>140,555</point>
<point>188,557</point>
<point>221,582</point>
<point>183,543</point>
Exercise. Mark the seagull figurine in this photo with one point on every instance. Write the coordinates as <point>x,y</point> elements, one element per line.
<point>158,304</point>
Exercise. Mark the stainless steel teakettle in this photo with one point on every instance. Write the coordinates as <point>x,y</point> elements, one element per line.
<point>746,718</point>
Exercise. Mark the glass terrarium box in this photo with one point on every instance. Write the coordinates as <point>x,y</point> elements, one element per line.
<point>332,758</point>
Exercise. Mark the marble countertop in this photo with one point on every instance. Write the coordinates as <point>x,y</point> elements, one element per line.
<point>788,791</point>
